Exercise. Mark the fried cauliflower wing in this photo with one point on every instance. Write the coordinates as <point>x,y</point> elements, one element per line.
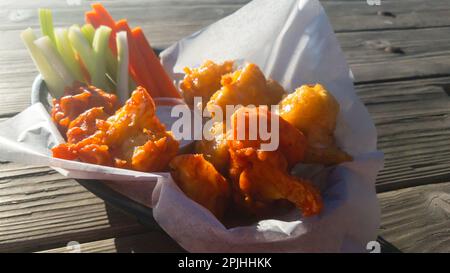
<point>77,100</point>
<point>215,150</point>
<point>313,110</point>
<point>132,138</point>
<point>201,182</point>
<point>292,142</point>
<point>247,86</point>
<point>260,178</point>
<point>203,81</point>
<point>86,124</point>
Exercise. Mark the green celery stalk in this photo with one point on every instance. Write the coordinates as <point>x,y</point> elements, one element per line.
<point>54,60</point>
<point>46,21</point>
<point>88,31</point>
<point>68,55</point>
<point>81,45</point>
<point>100,46</point>
<point>122,66</point>
<point>54,82</point>
<point>111,83</point>
<point>111,64</point>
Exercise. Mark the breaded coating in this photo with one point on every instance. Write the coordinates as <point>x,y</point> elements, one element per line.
<point>203,81</point>
<point>201,182</point>
<point>247,86</point>
<point>292,142</point>
<point>313,110</point>
<point>132,138</point>
<point>260,178</point>
<point>77,100</point>
<point>215,150</point>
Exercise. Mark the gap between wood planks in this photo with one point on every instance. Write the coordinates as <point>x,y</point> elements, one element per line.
<point>417,219</point>
<point>147,242</point>
<point>39,210</point>
<point>413,124</point>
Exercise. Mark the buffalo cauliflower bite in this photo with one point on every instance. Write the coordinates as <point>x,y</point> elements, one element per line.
<point>261,178</point>
<point>132,138</point>
<point>313,110</point>
<point>201,182</point>
<point>247,86</point>
<point>77,100</point>
<point>216,149</point>
<point>204,80</point>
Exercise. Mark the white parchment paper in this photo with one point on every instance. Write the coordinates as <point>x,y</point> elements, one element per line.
<point>293,42</point>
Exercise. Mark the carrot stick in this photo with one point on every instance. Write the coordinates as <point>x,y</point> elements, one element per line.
<point>159,75</point>
<point>104,15</point>
<point>138,66</point>
<point>106,20</point>
<point>91,18</point>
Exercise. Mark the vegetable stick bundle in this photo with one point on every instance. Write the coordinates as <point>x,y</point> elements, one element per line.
<point>105,53</point>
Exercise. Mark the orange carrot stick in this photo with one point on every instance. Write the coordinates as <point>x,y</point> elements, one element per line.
<point>91,18</point>
<point>104,14</point>
<point>137,63</point>
<point>159,75</point>
<point>106,20</point>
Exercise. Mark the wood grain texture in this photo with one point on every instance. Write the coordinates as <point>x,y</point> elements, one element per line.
<point>148,242</point>
<point>417,219</point>
<point>425,54</point>
<point>413,125</point>
<point>357,15</point>
<point>39,209</point>
<point>345,15</point>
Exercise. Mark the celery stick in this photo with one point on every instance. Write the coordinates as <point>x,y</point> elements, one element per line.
<point>111,83</point>
<point>111,64</point>
<point>54,82</point>
<point>100,46</point>
<point>122,66</point>
<point>83,48</point>
<point>67,53</point>
<point>46,21</point>
<point>54,60</point>
<point>88,31</point>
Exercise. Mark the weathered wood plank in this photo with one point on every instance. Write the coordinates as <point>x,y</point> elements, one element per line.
<point>413,124</point>
<point>417,219</point>
<point>404,91</point>
<point>169,13</point>
<point>344,15</point>
<point>358,15</point>
<point>39,209</point>
<point>373,56</point>
<point>141,243</point>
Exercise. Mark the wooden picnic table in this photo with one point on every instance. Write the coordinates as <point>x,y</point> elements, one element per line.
<point>399,53</point>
